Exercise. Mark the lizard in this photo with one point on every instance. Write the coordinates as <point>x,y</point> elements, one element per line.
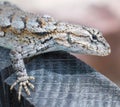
<point>28,34</point>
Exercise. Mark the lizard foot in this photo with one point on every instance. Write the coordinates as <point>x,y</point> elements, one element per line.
<point>23,83</point>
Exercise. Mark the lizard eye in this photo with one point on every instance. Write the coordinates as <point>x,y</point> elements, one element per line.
<point>94,37</point>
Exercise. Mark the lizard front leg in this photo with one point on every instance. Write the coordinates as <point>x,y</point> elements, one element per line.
<point>19,67</point>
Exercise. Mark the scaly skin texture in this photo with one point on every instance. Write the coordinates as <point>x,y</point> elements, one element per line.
<point>27,35</point>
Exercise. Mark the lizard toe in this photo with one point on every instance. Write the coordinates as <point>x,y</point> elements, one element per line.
<point>23,82</point>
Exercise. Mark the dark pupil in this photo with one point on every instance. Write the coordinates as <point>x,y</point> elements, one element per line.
<point>94,37</point>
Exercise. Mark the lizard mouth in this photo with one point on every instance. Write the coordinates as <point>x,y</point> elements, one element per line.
<point>98,50</point>
<point>106,52</point>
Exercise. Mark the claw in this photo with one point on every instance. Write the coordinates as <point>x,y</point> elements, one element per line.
<point>23,83</point>
<point>31,78</point>
<point>26,88</point>
<point>30,85</point>
<point>19,92</point>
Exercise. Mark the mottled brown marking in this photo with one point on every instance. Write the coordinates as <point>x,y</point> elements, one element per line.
<point>59,39</point>
<point>41,22</point>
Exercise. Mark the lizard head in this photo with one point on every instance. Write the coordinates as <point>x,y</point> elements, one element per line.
<point>84,40</point>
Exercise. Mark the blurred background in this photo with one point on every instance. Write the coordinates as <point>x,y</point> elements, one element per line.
<point>101,14</point>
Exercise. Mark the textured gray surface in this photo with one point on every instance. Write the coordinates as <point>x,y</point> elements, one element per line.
<point>0,104</point>
<point>4,58</point>
<point>64,81</point>
<point>4,63</point>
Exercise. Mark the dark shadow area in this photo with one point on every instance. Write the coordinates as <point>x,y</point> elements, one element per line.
<point>4,63</point>
<point>59,62</point>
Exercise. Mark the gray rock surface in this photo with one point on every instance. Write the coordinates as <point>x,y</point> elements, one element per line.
<point>4,63</point>
<point>4,58</point>
<point>64,81</point>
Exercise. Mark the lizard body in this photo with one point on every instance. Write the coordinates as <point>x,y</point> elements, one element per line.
<point>27,34</point>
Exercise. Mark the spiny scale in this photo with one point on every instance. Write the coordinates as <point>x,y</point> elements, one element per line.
<point>16,19</point>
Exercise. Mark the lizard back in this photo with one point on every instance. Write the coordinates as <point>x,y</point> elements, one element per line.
<point>19,27</point>
<point>11,16</point>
